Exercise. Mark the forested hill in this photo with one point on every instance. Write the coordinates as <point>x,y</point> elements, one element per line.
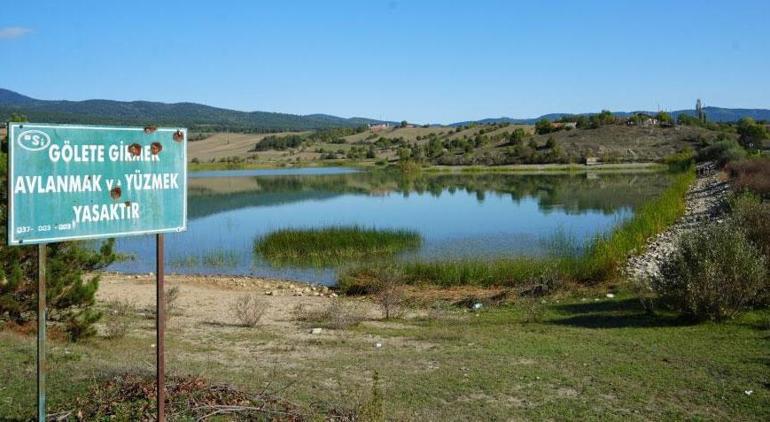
<point>195,116</point>
<point>714,114</point>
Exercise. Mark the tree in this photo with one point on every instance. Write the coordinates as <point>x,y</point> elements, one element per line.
<point>403,123</point>
<point>751,134</point>
<point>371,153</point>
<point>543,126</point>
<point>517,136</point>
<point>606,118</point>
<point>434,148</point>
<point>550,143</point>
<point>69,294</point>
<point>664,118</point>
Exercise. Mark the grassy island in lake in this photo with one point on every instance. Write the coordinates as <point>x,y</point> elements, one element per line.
<point>333,245</point>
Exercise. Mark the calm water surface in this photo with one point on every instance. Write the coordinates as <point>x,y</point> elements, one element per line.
<point>458,215</point>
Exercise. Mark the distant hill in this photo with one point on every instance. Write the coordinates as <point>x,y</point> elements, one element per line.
<point>714,114</point>
<point>194,116</point>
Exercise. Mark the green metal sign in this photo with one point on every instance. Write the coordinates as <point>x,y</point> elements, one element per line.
<point>68,182</point>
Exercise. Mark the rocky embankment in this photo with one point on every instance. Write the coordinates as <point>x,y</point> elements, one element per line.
<point>705,203</point>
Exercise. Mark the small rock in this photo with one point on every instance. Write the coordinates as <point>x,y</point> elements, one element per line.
<point>378,345</point>
<point>333,295</point>
<point>269,293</point>
<point>316,330</point>
<point>610,295</point>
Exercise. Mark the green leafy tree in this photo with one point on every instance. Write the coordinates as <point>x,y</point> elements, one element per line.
<point>543,126</point>
<point>434,148</point>
<point>517,136</point>
<point>403,123</point>
<point>550,143</point>
<point>664,118</point>
<point>751,134</point>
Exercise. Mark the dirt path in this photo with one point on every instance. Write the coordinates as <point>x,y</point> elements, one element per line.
<point>705,203</point>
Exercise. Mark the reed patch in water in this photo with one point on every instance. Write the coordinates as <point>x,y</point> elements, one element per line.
<point>332,246</point>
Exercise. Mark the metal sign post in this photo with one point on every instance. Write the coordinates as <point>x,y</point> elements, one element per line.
<point>74,182</point>
<point>160,325</point>
<point>42,366</point>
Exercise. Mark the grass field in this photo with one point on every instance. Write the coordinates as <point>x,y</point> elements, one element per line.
<point>577,357</point>
<point>333,245</point>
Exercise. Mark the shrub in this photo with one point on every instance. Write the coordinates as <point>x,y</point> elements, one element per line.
<point>721,152</point>
<point>751,175</point>
<point>753,215</point>
<point>171,296</point>
<point>390,294</point>
<point>248,310</point>
<point>169,307</point>
<point>117,317</point>
<point>715,274</point>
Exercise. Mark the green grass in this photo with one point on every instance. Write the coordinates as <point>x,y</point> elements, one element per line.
<point>600,261</point>
<point>586,359</point>
<point>333,245</point>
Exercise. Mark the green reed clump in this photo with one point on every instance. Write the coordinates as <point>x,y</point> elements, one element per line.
<point>599,261</point>
<point>333,245</point>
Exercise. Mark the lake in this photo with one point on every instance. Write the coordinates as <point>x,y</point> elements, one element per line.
<point>459,215</point>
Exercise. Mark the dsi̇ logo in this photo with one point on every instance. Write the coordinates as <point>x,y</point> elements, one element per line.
<point>33,140</point>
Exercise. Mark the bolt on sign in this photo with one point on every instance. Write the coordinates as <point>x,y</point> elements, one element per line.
<point>68,182</point>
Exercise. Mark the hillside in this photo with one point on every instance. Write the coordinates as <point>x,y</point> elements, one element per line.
<point>197,117</point>
<point>480,145</point>
<point>714,114</point>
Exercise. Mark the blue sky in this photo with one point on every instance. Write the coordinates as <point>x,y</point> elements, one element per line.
<point>424,61</point>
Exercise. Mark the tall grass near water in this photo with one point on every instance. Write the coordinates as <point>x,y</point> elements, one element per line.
<point>601,260</point>
<point>333,246</point>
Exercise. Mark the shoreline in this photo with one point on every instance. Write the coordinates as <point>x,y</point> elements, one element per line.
<point>511,168</point>
<point>704,204</point>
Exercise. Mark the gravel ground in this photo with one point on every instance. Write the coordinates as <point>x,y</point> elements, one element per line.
<point>705,203</point>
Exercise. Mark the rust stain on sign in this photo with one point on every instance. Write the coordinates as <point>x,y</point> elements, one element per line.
<point>135,149</point>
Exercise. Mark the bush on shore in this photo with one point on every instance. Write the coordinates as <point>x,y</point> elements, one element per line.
<point>753,215</point>
<point>722,152</point>
<point>751,175</point>
<point>714,274</point>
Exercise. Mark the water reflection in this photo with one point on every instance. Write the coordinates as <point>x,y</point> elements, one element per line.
<point>458,215</point>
